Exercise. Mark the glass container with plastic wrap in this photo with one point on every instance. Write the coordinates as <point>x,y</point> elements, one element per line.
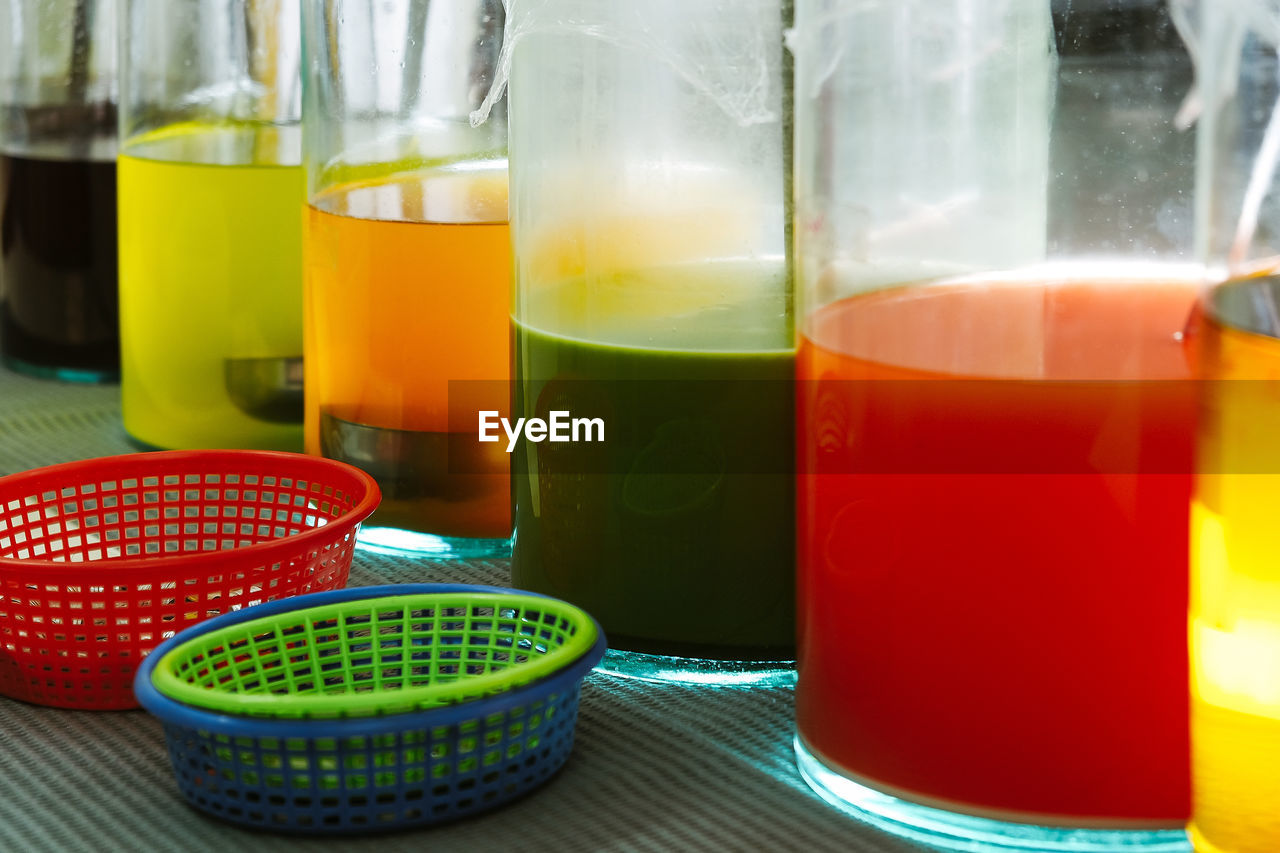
<point>649,156</point>
<point>995,419</point>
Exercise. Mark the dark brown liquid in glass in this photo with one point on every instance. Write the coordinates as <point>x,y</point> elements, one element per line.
<point>58,303</point>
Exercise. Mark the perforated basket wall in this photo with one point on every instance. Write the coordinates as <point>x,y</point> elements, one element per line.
<point>101,560</point>
<point>357,774</point>
<point>377,655</point>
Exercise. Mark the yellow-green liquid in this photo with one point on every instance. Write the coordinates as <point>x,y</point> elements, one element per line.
<point>211,288</point>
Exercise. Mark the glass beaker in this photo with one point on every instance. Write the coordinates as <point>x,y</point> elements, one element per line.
<point>995,427</point>
<point>653,297</point>
<point>58,95</point>
<point>1235,590</point>
<point>211,194</point>
<point>408,265</point>
<point>1235,540</point>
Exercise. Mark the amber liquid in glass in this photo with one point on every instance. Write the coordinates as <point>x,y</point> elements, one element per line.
<point>1235,578</point>
<point>407,290</point>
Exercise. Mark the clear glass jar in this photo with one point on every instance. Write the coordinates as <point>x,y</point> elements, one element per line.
<point>995,427</point>
<point>211,189</point>
<point>58,95</point>
<point>1235,584</point>
<point>408,265</point>
<point>653,293</point>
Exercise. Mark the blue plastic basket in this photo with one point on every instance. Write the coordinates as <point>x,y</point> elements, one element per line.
<point>367,773</point>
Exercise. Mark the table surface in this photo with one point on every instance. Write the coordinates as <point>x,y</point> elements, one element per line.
<point>654,767</point>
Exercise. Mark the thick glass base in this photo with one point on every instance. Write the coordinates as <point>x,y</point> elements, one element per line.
<point>84,375</point>
<point>395,542</point>
<point>679,670</point>
<point>1202,844</point>
<point>954,831</point>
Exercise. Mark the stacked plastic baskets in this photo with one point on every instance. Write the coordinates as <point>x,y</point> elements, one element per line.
<point>371,708</point>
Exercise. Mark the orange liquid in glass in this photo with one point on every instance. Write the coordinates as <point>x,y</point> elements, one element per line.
<point>407,289</point>
<point>993,547</point>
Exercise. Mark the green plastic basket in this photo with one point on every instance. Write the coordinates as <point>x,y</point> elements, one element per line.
<point>375,656</point>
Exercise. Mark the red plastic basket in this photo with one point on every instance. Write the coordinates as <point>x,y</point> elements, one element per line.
<point>103,559</point>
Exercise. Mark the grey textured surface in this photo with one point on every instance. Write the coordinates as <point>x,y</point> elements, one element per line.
<point>655,767</point>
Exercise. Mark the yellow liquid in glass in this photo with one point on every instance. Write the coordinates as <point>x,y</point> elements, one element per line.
<point>1235,583</point>
<point>211,287</point>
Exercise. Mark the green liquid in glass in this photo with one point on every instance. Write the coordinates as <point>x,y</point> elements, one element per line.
<point>677,532</point>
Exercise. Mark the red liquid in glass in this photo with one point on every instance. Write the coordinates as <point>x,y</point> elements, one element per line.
<point>1001,643</point>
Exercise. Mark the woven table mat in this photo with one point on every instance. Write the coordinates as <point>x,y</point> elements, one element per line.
<point>654,768</point>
